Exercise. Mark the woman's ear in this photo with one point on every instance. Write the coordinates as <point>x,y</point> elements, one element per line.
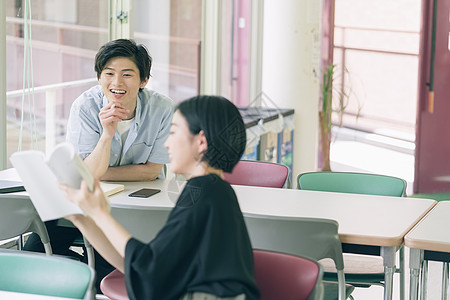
<point>202,142</point>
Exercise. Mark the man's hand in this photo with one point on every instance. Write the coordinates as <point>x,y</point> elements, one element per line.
<point>110,115</point>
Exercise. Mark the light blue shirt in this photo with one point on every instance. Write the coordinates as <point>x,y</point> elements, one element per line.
<point>148,132</point>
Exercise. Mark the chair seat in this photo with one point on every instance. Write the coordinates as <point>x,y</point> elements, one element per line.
<point>357,268</point>
<point>113,286</point>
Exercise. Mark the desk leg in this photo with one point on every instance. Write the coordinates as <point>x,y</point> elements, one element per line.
<point>388,254</point>
<point>444,280</point>
<point>424,280</point>
<point>415,261</point>
<point>402,272</point>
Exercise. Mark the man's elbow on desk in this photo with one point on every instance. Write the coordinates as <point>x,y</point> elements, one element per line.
<point>142,172</point>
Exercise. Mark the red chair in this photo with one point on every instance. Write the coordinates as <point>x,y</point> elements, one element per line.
<point>278,275</point>
<point>113,286</point>
<point>286,276</point>
<point>257,173</point>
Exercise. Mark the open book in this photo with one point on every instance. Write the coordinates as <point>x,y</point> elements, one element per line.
<point>40,176</point>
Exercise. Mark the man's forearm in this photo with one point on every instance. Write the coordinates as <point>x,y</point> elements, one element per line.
<point>142,172</point>
<point>98,160</point>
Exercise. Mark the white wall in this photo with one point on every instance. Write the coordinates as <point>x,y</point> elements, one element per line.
<point>291,54</point>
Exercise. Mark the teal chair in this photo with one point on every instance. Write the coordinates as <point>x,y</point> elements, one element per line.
<point>39,274</point>
<point>314,238</point>
<point>360,270</point>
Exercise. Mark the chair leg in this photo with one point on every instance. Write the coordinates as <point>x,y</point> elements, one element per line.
<point>341,284</point>
<point>48,248</point>
<point>90,253</point>
<point>20,242</point>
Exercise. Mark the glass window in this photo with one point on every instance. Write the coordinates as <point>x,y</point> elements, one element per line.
<point>65,35</point>
<point>378,43</point>
<point>171,30</point>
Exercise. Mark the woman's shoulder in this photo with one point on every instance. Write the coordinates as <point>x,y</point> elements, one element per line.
<point>202,187</point>
<point>210,180</point>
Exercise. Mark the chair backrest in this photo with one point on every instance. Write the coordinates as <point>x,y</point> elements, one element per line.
<point>39,274</point>
<point>18,216</point>
<point>257,173</point>
<point>285,276</point>
<point>354,183</point>
<point>315,238</point>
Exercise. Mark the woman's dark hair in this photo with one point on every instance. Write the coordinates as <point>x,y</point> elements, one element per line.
<point>124,48</point>
<point>223,126</point>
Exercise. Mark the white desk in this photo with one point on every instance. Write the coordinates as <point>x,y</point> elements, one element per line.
<point>375,221</point>
<point>429,240</point>
<point>23,296</point>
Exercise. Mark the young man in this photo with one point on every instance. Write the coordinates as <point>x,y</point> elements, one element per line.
<point>119,129</point>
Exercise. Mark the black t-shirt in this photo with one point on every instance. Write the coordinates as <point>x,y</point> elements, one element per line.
<point>203,247</point>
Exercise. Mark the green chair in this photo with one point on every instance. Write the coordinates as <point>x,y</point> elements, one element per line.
<point>39,274</point>
<point>360,270</point>
<point>353,183</point>
<point>315,239</point>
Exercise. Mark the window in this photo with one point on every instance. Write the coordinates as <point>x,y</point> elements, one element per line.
<point>65,35</point>
<point>171,30</point>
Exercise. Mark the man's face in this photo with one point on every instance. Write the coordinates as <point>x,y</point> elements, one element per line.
<point>121,81</point>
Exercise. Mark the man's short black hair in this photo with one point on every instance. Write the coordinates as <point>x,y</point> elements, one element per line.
<point>124,48</point>
<point>222,125</point>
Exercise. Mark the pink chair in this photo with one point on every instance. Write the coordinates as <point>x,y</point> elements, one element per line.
<point>257,173</point>
<point>113,286</point>
<point>286,276</point>
<point>278,275</point>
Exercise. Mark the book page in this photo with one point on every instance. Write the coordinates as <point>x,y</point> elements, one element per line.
<point>69,168</point>
<point>42,186</point>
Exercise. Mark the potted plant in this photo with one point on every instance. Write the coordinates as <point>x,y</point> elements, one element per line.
<point>333,100</point>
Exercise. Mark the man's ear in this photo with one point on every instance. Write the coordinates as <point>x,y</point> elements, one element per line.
<point>202,142</point>
<point>143,83</point>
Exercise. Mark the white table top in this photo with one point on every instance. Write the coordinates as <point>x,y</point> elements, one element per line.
<point>23,296</point>
<point>432,232</point>
<point>363,219</point>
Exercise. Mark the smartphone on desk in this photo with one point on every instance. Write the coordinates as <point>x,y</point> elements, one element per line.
<point>144,193</point>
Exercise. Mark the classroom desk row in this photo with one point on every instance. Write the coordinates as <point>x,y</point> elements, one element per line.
<point>367,224</point>
<point>377,224</point>
<point>429,240</point>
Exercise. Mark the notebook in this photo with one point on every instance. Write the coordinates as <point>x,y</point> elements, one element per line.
<point>7,186</point>
<point>111,188</point>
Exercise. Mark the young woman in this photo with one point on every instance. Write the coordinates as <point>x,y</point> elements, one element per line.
<point>203,251</point>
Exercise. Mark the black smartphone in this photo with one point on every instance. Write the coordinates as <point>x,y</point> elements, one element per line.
<point>144,193</point>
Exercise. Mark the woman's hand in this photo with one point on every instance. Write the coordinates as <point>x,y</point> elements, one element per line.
<point>92,203</point>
